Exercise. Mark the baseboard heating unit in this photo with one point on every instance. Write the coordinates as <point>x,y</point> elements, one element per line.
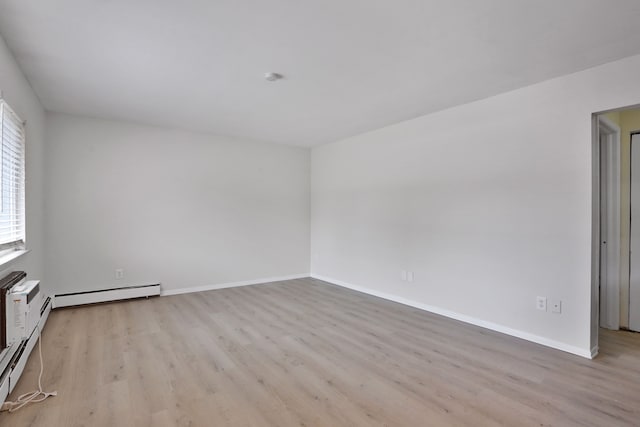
<point>107,295</point>
<point>14,359</point>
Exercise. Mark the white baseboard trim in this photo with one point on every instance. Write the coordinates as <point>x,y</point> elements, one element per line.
<point>232,284</point>
<point>464,318</point>
<point>93,297</point>
<point>594,351</point>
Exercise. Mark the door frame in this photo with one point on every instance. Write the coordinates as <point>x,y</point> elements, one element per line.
<point>629,310</point>
<point>608,291</point>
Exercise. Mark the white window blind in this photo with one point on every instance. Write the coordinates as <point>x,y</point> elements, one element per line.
<point>12,211</point>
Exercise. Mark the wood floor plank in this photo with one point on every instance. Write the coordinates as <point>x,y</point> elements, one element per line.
<point>307,353</point>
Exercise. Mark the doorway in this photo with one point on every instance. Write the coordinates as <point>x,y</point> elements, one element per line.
<point>616,225</point>
<point>634,252</point>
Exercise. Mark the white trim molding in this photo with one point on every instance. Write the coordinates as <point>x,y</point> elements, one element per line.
<point>179,291</point>
<point>609,298</point>
<point>464,318</point>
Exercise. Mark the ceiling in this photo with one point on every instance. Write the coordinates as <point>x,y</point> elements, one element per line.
<point>350,65</point>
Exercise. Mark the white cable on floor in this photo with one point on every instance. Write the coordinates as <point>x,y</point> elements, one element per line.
<point>31,397</point>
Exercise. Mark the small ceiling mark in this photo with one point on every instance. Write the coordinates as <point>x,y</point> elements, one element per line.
<point>272,77</point>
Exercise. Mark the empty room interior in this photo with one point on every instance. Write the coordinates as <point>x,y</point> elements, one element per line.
<point>332,213</point>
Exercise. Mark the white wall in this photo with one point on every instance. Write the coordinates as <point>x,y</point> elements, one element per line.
<point>489,203</point>
<point>180,208</point>
<point>18,93</point>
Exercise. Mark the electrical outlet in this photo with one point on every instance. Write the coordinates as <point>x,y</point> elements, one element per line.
<point>556,306</point>
<point>403,275</point>
<point>410,276</point>
<point>541,303</point>
<point>119,273</point>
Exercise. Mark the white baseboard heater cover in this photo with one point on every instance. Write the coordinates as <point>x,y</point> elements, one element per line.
<point>9,379</point>
<point>116,294</point>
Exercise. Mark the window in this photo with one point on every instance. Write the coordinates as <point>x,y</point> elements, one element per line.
<point>12,211</point>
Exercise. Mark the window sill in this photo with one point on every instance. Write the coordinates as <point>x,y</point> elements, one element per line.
<point>8,258</point>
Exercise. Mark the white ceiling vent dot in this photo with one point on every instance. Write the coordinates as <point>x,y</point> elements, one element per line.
<point>272,77</point>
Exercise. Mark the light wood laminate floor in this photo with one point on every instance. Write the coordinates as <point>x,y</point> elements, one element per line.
<point>306,353</point>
